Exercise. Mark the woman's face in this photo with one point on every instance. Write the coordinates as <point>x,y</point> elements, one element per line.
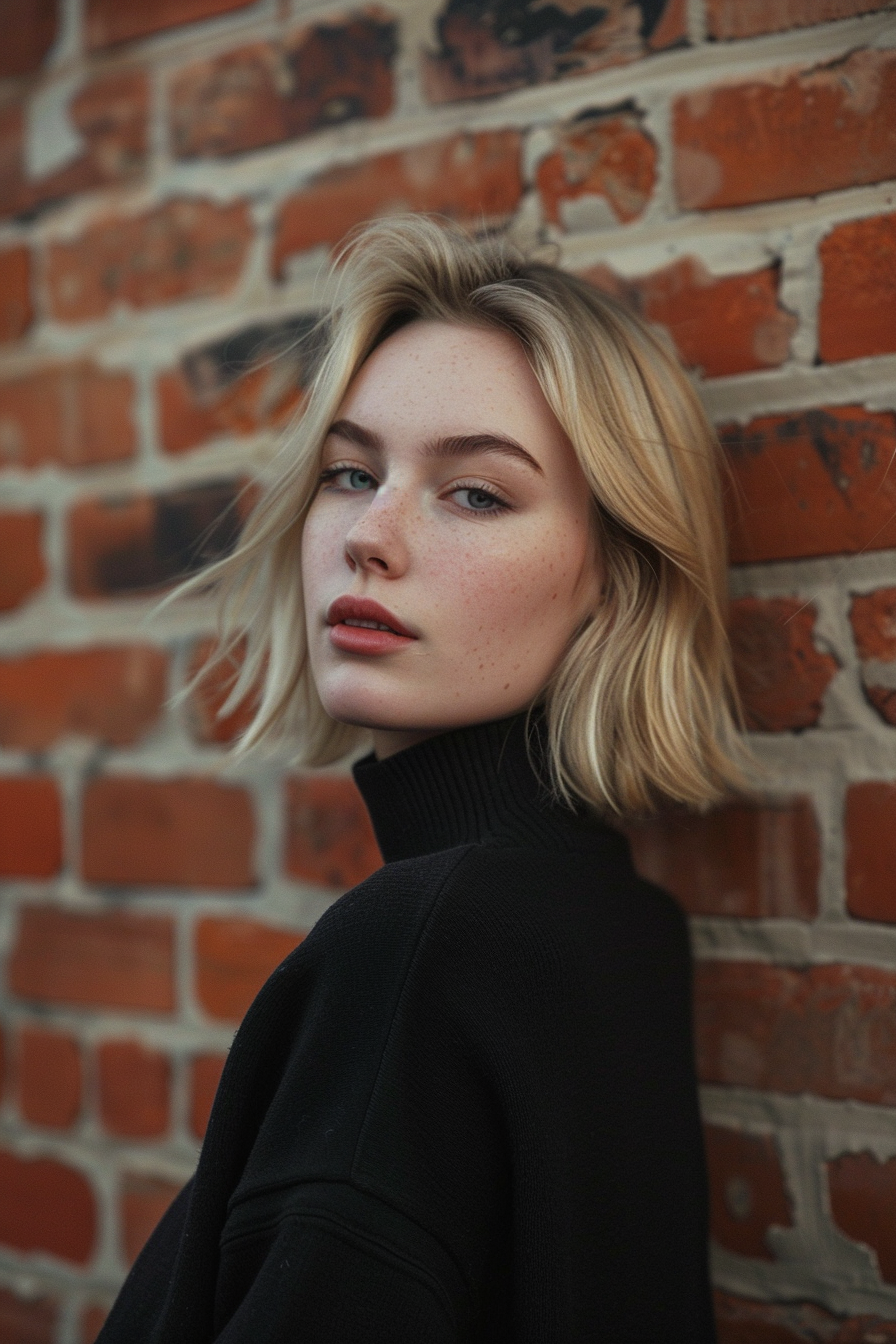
<point>448,555</point>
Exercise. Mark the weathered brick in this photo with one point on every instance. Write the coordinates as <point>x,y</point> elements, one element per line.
<point>113,695</point>
<point>251,380</point>
<point>234,957</point>
<point>871,851</point>
<point>863,1196</point>
<point>745,859</point>
<point>743,1321</point>
<point>758,141</point>
<point>76,415</point>
<point>142,1202</point>
<point>22,568</point>
<point>143,543</point>
<point>811,483</point>
<point>167,832</point>
<point>46,1206</point>
<point>205,1074</point>
<point>27,1320</point>
<point>475,178</point>
<point>720,324</point>
<point>329,838</point>
<point>16,310</point>
<point>91,1321</point>
<point>782,677</point>
<point>30,826</point>
<point>747,1190</point>
<point>108,22</point>
<point>134,1089</point>
<point>211,693</point>
<point>873,619</point>
<point>603,155</point>
<point>108,116</point>
<point>109,959</point>
<point>50,1077</point>
<point>883,699</point>
<point>857,313</point>
<point>183,249</point>
<point>748,18</point>
<point>265,93</point>
<point>828,1029</point>
<point>30,28</point>
<point>492,47</point>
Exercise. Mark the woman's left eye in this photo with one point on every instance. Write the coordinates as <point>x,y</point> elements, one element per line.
<point>478,500</point>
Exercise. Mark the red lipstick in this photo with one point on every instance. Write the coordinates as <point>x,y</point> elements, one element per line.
<point>359,625</point>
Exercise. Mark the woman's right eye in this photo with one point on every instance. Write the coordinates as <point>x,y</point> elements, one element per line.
<point>354,479</point>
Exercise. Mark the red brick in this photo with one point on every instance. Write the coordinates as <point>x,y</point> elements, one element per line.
<point>873,618</point>
<point>30,826</point>
<point>109,116</point>
<point>758,141</point>
<point>490,49</point>
<point>745,859</point>
<point>167,832</point>
<point>16,311</point>
<point>234,957</point>
<point>782,677</point>
<point>211,694</point>
<point>748,18</point>
<point>142,1202</point>
<point>811,483</point>
<point>883,699</point>
<point>50,1077</point>
<point>138,544</point>
<point>252,379</point>
<point>829,1030</point>
<point>205,1074</point>
<point>329,839</point>
<point>747,1190</point>
<point>29,28</point>
<point>134,1089</point>
<point>46,1206</point>
<point>265,93</point>
<point>720,324</point>
<point>27,1320</point>
<point>111,695</point>
<point>741,1321</point>
<point>22,568</point>
<point>184,249</point>
<point>110,959</point>
<point>857,313</point>
<point>863,1196</point>
<point>108,22</point>
<point>91,1322</point>
<point>607,156</point>
<point>475,178</point>
<point>871,851</point>
<point>76,415</point>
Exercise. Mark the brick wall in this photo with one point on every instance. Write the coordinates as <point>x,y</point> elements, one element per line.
<point>171,176</point>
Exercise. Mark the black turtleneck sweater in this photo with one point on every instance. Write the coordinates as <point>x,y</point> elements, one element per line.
<point>464,1109</point>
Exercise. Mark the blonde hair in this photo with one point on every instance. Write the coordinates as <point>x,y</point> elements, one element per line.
<point>642,706</point>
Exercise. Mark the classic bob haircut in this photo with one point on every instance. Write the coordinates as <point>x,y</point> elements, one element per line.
<point>642,707</point>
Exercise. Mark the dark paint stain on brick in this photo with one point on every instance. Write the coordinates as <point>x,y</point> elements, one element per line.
<point>292,347</point>
<point>488,47</point>
<point>152,543</point>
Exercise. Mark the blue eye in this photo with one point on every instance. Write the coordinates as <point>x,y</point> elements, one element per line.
<point>359,480</point>
<point>480,499</point>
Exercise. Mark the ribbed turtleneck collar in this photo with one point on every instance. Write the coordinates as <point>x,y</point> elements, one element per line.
<point>475,785</point>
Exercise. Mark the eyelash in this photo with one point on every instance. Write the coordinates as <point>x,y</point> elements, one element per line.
<point>500,504</point>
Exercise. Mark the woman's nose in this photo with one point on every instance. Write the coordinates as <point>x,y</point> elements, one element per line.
<point>377,543</point>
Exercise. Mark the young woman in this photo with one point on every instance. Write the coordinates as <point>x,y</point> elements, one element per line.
<point>465,1108</point>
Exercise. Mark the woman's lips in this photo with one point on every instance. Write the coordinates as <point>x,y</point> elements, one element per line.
<point>359,625</point>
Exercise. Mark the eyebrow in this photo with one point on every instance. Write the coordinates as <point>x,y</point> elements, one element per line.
<point>453,445</point>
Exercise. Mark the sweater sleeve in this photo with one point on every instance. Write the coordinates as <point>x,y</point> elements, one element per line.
<point>342,1267</point>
